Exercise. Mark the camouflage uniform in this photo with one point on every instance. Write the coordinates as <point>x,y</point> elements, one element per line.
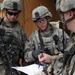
<point>68,67</point>
<point>34,42</point>
<point>66,6</point>
<point>15,32</point>
<point>47,36</point>
<point>13,40</point>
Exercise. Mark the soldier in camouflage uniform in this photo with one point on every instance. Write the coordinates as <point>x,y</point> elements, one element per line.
<point>12,36</point>
<point>46,44</point>
<point>67,12</point>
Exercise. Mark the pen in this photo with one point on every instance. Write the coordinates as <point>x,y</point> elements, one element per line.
<point>39,62</point>
<point>39,65</point>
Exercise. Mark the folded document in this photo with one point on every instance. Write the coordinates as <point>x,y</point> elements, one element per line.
<point>30,69</point>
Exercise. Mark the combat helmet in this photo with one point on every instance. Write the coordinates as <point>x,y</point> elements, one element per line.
<point>58,5</point>
<point>67,5</point>
<point>40,12</point>
<point>12,4</point>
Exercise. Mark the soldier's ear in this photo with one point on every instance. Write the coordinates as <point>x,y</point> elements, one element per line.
<point>71,13</point>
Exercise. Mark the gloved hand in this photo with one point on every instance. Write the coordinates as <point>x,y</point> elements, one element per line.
<point>35,53</point>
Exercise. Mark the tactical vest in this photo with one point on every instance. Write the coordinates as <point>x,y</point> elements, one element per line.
<point>68,56</point>
<point>48,41</point>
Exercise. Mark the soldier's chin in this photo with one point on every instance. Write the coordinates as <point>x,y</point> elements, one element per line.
<point>12,20</point>
<point>40,73</point>
<point>42,28</point>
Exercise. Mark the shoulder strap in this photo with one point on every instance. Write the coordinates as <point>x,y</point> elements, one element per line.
<point>72,50</point>
<point>41,40</point>
<point>1,20</point>
<point>73,69</point>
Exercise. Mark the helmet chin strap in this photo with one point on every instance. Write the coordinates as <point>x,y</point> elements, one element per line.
<point>67,21</point>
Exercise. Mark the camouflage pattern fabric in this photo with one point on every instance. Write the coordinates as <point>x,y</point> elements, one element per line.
<point>14,40</point>
<point>70,4</point>
<point>69,68</point>
<point>9,4</point>
<point>40,12</point>
<point>55,68</point>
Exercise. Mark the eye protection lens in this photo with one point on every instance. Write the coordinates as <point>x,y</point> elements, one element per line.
<point>40,22</point>
<point>13,13</point>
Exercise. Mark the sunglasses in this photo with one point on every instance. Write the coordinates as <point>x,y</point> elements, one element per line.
<point>13,13</point>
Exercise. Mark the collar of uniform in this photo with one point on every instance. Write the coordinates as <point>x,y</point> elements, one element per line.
<point>46,33</point>
<point>9,25</point>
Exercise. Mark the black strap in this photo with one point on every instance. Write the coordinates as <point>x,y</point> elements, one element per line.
<point>72,50</point>
<point>73,69</point>
<point>69,20</point>
<point>1,20</point>
<point>72,53</point>
<point>41,40</point>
